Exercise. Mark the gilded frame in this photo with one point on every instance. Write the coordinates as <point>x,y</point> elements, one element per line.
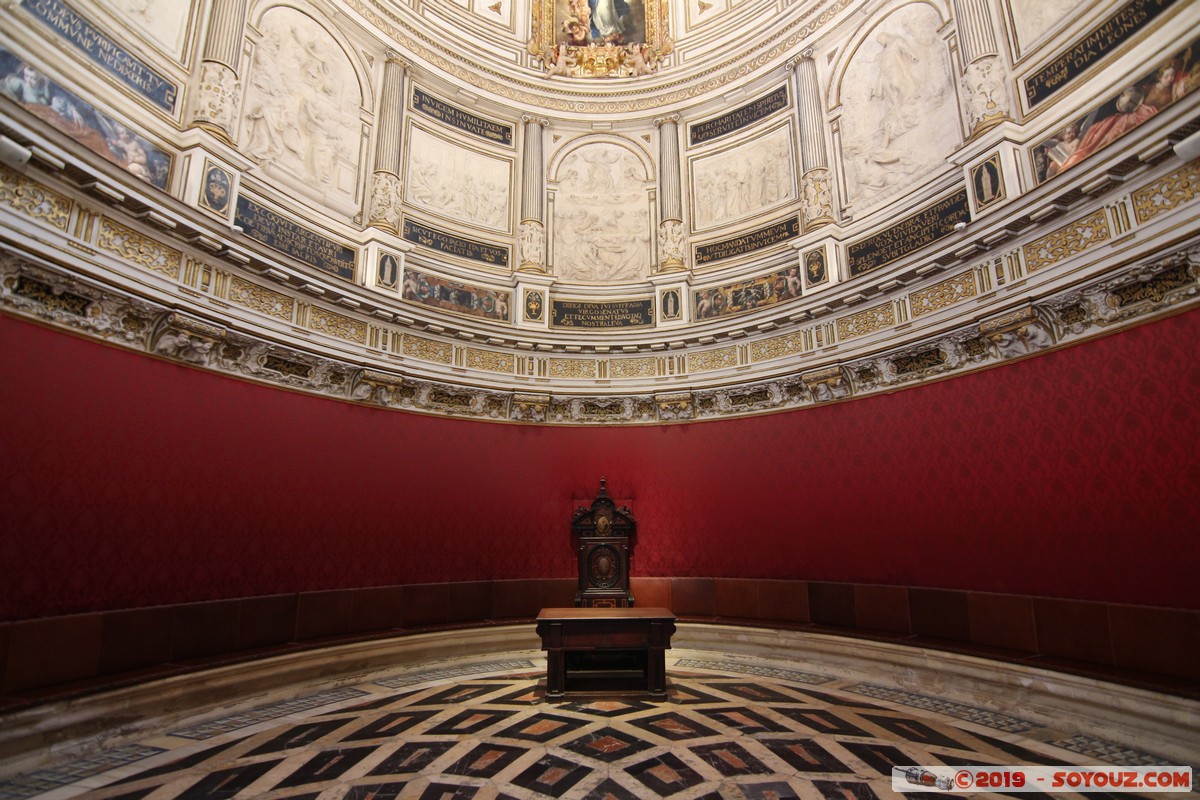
<point>600,38</point>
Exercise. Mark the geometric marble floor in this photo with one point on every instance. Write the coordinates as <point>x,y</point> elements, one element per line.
<point>728,729</point>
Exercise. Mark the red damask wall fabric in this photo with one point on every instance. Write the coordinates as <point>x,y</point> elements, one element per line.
<point>126,481</point>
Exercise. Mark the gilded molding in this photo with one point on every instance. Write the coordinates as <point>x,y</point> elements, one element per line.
<point>627,368</point>
<point>137,249</point>
<point>258,298</point>
<point>865,322</point>
<point>343,327</point>
<point>943,294</point>
<point>489,360</point>
<point>1173,190</point>
<point>571,367</point>
<point>1067,241</point>
<point>778,347</point>
<point>1127,295</point>
<point>428,349</point>
<point>31,199</point>
<point>710,360</point>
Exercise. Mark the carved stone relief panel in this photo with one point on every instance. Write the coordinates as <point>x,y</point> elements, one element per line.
<point>1033,18</point>
<point>164,22</point>
<point>300,118</point>
<point>458,182</point>
<point>744,181</point>
<point>899,107</point>
<point>602,215</point>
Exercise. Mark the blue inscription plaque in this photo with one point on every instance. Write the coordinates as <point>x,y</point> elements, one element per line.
<point>279,233</point>
<point>738,118</point>
<point>101,49</point>
<point>930,224</point>
<point>749,242</point>
<point>454,245</point>
<point>1099,43</point>
<point>475,125</point>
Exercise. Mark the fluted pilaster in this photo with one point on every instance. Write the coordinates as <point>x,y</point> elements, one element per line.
<point>815,176</point>
<point>532,234</point>
<point>219,89</point>
<point>386,184</point>
<point>985,82</point>
<point>671,244</point>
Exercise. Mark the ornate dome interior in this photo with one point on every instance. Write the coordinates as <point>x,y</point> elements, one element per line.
<point>628,211</point>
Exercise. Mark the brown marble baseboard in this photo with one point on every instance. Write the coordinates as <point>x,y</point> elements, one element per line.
<point>52,657</point>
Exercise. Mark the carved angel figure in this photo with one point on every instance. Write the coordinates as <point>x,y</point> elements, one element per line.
<point>560,65</point>
<point>637,60</point>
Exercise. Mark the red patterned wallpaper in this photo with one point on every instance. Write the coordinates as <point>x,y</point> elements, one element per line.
<point>126,481</point>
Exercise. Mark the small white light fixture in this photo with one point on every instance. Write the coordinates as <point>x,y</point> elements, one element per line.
<point>1189,148</point>
<point>13,154</point>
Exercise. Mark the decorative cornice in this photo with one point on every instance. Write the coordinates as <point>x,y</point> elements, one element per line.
<point>1124,297</point>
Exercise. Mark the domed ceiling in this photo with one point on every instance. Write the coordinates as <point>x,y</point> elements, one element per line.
<point>597,211</point>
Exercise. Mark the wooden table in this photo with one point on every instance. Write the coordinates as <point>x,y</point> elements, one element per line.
<point>605,649</point>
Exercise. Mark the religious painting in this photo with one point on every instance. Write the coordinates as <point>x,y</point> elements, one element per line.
<point>82,122</point>
<point>1170,80</point>
<point>474,301</point>
<point>987,181</point>
<point>599,38</point>
<point>736,298</point>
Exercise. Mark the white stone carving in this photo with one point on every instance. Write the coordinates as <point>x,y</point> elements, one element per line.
<point>458,182</point>
<point>745,180</point>
<point>985,96</point>
<point>818,197</point>
<point>531,239</point>
<point>217,96</point>
<point>670,244</point>
<point>164,22</point>
<point>900,117</point>
<point>301,111</point>
<point>602,216</point>
<point>386,195</point>
<point>1032,19</point>
<point>184,347</point>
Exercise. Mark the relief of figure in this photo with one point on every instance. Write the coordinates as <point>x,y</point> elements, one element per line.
<point>301,105</point>
<point>897,81</point>
<point>900,113</point>
<point>560,64</point>
<point>532,248</point>
<point>602,230</point>
<point>183,347</point>
<point>744,180</point>
<point>457,182</point>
